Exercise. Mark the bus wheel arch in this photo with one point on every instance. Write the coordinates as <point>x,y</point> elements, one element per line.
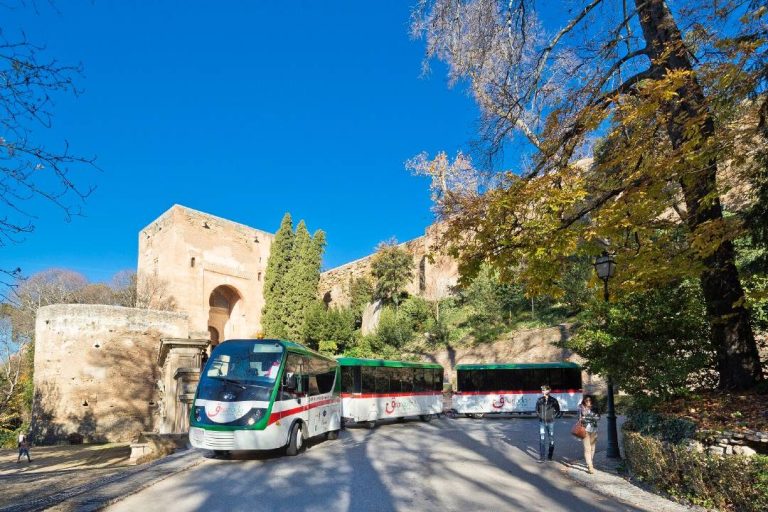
<point>296,438</point>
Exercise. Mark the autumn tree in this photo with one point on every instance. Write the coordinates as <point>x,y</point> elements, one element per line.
<point>667,105</point>
<point>392,269</point>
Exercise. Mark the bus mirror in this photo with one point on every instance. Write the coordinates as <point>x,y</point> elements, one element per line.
<point>289,382</point>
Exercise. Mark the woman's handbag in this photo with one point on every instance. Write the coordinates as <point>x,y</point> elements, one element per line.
<point>578,430</point>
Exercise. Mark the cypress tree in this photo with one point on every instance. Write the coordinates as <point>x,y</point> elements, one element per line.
<point>295,282</point>
<point>276,300</point>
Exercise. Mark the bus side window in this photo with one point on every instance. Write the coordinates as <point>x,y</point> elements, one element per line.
<point>293,366</point>
<point>357,383</point>
<point>394,380</point>
<point>382,380</point>
<point>347,379</point>
<point>368,379</point>
<point>406,379</point>
<point>326,377</point>
<point>556,379</point>
<point>418,380</point>
<point>572,378</point>
<point>312,385</point>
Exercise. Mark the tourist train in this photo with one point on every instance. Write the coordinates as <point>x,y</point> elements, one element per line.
<point>270,394</point>
<point>514,388</point>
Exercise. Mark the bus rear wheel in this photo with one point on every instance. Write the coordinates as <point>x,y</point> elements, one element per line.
<point>332,435</point>
<point>295,440</point>
<point>425,417</point>
<point>370,424</point>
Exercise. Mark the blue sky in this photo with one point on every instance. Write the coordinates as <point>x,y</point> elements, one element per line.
<point>244,110</point>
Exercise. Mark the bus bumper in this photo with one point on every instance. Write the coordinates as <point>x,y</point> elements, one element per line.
<point>268,439</point>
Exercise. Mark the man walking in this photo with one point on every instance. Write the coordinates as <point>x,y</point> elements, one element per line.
<point>547,409</point>
<point>23,447</point>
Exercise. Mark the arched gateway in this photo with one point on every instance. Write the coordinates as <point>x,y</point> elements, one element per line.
<point>225,304</point>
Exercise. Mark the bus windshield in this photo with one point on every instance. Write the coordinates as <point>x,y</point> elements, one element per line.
<point>247,366</point>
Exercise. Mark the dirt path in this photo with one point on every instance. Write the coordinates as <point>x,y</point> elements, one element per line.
<point>55,468</point>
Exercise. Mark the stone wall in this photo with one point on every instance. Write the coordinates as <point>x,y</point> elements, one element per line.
<point>195,254</point>
<point>716,442</point>
<point>96,372</point>
<point>433,277</point>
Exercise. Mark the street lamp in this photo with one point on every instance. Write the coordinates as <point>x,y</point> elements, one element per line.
<point>605,266</point>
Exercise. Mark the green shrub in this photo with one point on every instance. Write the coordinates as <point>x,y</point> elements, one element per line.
<point>394,329</point>
<point>727,483</point>
<point>654,343</point>
<point>8,438</point>
<point>667,429</point>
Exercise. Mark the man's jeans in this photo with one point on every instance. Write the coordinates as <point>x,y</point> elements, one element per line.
<point>546,428</point>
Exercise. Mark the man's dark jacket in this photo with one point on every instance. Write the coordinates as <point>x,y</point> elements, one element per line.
<point>547,408</point>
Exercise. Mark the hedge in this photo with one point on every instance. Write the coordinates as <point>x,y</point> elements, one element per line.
<point>725,482</point>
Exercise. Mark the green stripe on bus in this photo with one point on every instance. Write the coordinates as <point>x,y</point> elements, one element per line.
<point>290,346</point>
<point>354,361</point>
<point>516,366</point>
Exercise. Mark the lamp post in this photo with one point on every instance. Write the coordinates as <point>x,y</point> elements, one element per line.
<point>605,266</point>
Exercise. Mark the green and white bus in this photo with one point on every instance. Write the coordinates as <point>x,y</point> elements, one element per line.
<point>263,395</point>
<point>503,388</point>
<point>374,389</point>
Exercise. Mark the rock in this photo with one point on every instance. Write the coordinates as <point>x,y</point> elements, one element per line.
<point>729,450</point>
<point>715,450</point>
<point>723,440</point>
<point>371,316</point>
<point>738,435</point>
<point>743,450</point>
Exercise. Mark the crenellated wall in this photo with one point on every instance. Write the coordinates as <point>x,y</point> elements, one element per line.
<point>433,277</point>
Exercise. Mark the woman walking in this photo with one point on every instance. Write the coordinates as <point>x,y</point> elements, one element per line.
<point>588,417</point>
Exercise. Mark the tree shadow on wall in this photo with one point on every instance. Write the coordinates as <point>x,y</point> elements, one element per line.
<point>112,398</point>
<point>125,402</point>
<point>44,429</point>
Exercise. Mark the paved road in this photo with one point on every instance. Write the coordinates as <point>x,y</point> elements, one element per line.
<point>445,465</point>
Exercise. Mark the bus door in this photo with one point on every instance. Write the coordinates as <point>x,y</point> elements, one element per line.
<point>293,396</point>
<point>324,407</point>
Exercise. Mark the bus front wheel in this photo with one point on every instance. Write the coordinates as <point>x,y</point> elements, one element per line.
<point>370,424</point>
<point>295,440</point>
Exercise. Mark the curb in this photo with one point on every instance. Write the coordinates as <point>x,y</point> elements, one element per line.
<point>607,481</point>
<point>101,493</point>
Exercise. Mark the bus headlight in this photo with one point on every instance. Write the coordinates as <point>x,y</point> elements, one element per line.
<point>198,413</point>
<point>255,416</point>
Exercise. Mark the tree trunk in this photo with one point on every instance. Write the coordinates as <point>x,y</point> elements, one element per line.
<point>738,357</point>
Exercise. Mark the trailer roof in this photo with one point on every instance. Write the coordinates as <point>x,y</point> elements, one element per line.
<point>516,366</point>
<point>356,361</point>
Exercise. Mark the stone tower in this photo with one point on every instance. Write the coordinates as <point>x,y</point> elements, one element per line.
<point>212,267</point>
